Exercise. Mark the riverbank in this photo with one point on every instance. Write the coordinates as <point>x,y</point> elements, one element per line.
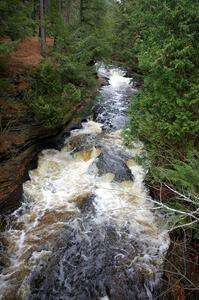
<point>21,140</point>
<point>22,134</point>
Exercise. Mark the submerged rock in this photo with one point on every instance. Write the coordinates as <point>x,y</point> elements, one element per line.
<point>81,142</point>
<point>92,261</point>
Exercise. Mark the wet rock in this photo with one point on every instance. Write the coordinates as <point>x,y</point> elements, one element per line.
<point>13,173</point>
<point>83,142</point>
<point>103,80</point>
<point>110,163</point>
<point>82,199</point>
<point>21,139</point>
<point>85,202</point>
<point>80,142</point>
<point>51,217</point>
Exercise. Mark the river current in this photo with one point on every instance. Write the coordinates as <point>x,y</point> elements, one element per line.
<point>86,228</point>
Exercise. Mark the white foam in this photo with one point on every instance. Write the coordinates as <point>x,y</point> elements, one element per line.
<point>117,78</point>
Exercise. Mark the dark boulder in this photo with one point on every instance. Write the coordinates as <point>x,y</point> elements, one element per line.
<point>111,163</point>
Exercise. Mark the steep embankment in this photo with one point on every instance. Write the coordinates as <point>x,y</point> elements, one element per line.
<point>21,136</point>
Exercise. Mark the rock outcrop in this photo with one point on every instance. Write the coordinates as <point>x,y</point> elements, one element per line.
<point>21,139</point>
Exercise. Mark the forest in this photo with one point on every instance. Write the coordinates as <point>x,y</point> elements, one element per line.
<point>157,41</point>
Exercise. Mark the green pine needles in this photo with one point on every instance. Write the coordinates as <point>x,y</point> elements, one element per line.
<point>164,37</point>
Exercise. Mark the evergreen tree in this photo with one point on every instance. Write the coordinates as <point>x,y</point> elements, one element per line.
<point>163,36</point>
<point>16,18</point>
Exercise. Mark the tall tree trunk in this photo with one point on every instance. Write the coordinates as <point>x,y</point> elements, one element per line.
<point>59,3</point>
<point>67,11</point>
<point>42,27</point>
<point>46,6</point>
<point>81,11</point>
<point>35,15</point>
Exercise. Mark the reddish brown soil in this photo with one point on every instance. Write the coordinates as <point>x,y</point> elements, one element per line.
<point>28,52</point>
<point>16,65</point>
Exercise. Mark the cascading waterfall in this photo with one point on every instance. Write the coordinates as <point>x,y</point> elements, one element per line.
<point>87,228</point>
<point>115,98</point>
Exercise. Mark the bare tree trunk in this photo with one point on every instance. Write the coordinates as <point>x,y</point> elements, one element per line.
<point>59,7</point>
<point>35,14</point>
<point>42,27</point>
<point>81,11</point>
<point>46,5</point>
<point>67,11</point>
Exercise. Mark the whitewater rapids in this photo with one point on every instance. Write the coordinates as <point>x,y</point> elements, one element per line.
<point>87,228</point>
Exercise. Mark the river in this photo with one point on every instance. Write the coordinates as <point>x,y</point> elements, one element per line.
<point>86,228</point>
